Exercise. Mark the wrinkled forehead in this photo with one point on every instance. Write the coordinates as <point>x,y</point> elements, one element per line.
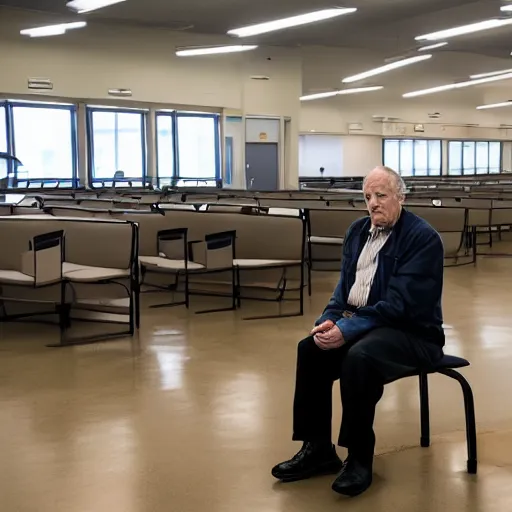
<point>379,181</point>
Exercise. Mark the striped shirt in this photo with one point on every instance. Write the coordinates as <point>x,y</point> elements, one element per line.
<point>367,267</point>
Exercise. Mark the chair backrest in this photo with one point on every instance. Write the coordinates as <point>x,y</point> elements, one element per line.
<point>501,216</point>
<point>44,257</point>
<point>93,242</point>
<point>217,251</point>
<point>443,220</point>
<point>331,222</point>
<point>258,236</point>
<point>173,244</point>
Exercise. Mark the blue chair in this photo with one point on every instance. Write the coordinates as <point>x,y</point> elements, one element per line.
<point>446,366</point>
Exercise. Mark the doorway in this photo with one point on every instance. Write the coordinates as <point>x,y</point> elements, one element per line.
<point>261,166</point>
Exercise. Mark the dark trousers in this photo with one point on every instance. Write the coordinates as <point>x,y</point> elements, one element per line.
<point>363,368</point>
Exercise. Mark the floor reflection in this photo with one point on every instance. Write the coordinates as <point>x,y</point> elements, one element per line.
<point>193,413</point>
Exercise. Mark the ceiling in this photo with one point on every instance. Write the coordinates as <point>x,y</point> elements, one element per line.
<point>385,25</point>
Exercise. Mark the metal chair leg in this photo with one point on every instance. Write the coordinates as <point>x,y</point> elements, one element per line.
<point>469,407</point>
<point>424,411</point>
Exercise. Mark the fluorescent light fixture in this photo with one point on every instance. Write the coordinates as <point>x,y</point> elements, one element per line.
<point>506,8</point>
<point>491,73</point>
<point>465,29</point>
<point>83,6</point>
<point>294,21</point>
<point>319,96</point>
<point>213,50</point>
<point>52,30</point>
<point>342,92</point>
<point>459,85</point>
<point>495,105</point>
<point>384,69</point>
<point>432,47</point>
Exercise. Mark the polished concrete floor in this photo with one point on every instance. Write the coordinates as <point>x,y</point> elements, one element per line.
<point>192,415</point>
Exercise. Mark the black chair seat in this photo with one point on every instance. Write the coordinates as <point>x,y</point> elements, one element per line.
<point>448,362</point>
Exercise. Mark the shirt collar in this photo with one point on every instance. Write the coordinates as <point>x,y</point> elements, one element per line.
<point>375,231</point>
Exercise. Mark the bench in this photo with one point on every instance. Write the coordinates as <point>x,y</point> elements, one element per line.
<point>452,225</point>
<point>39,267</point>
<point>269,249</point>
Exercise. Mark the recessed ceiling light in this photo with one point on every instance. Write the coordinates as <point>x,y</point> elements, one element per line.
<point>386,68</point>
<point>213,50</point>
<point>432,47</point>
<point>52,30</point>
<point>491,73</point>
<point>83,6</point>
<point>465,29</point>
<point>294,21</point>
<point>342,92</point>
<point>460,85</point>
<point>495,105</point>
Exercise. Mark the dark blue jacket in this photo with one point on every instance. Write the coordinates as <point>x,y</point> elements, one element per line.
<point>407,288</point>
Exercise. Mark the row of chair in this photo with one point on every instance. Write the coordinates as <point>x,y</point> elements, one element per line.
<point>258,257</point>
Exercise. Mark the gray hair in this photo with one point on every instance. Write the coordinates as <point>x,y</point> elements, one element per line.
<point>398,181</point>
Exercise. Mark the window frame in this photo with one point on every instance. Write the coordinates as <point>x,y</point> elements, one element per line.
<point>11,141</point>
<point>414,141</point>
<point>474,142</point>
<point>175,115</point>
<point>216,119</point>
<point>90,110</point>
<point>175,158</point>
<point>3,104</point>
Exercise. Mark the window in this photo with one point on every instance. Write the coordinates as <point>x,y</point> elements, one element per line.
<point>117,144</point>
<point>165,148</point>
<point>44,140</point>
<point>413,157</point>
<point>188,152</point>
<point>198,146</point>
<point>3,129</point>
<point>454,157</point>
<point>494,157</point>
<point>473,157</point>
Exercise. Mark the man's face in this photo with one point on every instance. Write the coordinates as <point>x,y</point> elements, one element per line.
<point>381,198</point>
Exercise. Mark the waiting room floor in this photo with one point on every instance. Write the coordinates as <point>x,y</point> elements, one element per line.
<point>192,415</point>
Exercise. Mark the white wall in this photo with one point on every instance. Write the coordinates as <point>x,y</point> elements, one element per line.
<point>84,64</point>
<point>341,155</point>
<point>361,153</point>
<point>317,151</point>
<point>387,114</point>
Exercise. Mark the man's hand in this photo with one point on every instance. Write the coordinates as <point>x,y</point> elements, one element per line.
<point>323,327</point>
<point>329,340</point>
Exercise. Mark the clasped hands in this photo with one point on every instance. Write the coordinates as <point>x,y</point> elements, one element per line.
<point>327,335</point>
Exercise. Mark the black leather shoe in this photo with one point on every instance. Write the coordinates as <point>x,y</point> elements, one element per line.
<point>311,460</point>
<point>354,478</point>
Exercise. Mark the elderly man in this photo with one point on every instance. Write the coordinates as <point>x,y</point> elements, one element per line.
<point>383,322</point>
